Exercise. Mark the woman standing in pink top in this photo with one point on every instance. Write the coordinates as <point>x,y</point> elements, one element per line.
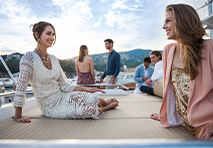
<point>187,74</point>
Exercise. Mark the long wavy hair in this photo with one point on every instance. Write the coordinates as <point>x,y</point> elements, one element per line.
<point>189,33</point>
<point>82,53</point>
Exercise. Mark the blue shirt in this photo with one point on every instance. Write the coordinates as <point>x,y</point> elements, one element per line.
<point>139,74</point>
<point>113,64</point>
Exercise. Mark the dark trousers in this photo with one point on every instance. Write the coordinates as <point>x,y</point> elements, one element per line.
<point>146,89</point>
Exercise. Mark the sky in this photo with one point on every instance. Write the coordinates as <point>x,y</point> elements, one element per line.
<point>131,24</point>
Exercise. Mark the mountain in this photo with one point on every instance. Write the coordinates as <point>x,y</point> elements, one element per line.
<point>131,58</point>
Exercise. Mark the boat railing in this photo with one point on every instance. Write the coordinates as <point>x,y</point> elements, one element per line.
<point>12,93</point>
<point>7,94</point>
<point>6,108</point>
<point>104,84</point>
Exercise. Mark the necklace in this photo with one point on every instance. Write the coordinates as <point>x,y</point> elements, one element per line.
<point>43,59</point>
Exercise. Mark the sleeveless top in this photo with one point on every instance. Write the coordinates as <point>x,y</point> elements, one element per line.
<point>181,84</point>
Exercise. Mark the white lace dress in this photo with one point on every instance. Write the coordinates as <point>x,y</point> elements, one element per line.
<point>54,94</point>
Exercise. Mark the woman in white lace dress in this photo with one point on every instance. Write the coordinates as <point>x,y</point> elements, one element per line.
<point>56,97</point>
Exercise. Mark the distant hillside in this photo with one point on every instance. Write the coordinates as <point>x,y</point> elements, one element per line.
<point>131,58</point>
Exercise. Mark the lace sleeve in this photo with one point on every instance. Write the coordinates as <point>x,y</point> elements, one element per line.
<point>64,84</point>
<point>26,66</point>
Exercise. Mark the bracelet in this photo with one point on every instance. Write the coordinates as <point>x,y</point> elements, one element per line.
<point>17,107</point>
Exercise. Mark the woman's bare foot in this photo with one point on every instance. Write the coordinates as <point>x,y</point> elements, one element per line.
<point>113,105</point>
<point>155,116</point>
<point>109,101</point>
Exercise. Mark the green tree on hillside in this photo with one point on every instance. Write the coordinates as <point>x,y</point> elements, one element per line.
<point>68,66</point>
<point>12,64</point>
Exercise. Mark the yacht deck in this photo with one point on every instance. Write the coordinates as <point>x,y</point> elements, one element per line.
<point>128,126</point>
<point>131,120</point>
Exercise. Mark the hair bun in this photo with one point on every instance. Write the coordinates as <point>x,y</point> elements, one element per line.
<point>31,27</point>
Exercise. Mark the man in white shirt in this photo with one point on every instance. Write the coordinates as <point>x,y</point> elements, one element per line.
<point>156,59</point>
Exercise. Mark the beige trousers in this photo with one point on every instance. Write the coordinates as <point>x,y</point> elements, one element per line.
<point>109,81</point>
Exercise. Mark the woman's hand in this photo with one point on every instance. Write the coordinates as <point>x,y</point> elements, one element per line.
<point>101,91</point>
<point>24,120</point>
<point>93,90</point>
<point>155,116</point>
<point>206,132</point>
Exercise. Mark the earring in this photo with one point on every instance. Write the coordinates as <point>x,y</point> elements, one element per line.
<point>38,40</point>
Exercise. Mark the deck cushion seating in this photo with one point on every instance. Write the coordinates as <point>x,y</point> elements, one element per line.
<point>158,87</point>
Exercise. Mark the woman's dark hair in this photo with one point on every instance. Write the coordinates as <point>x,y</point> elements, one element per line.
<point>157,53</point>
<point>39,27</point>
<point>82,53</point>
<point>147,59</point>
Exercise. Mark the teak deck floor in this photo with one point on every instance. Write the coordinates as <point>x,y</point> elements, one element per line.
<point>131,120</point>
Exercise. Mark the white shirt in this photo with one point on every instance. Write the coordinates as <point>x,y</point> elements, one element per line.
<point>158,72</point>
